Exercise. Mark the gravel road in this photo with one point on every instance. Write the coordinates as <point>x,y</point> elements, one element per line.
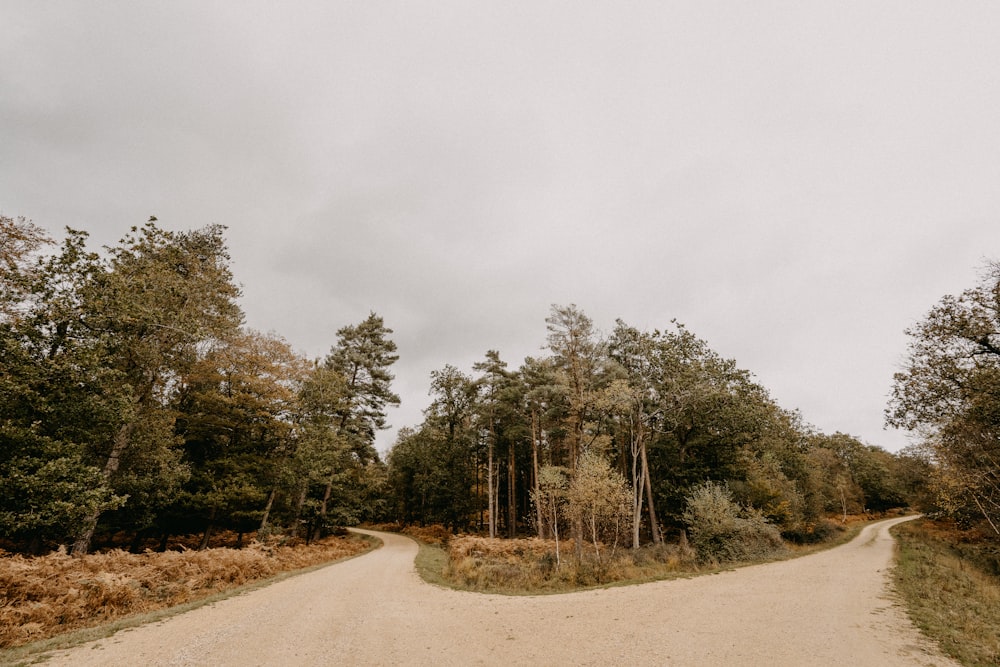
<point>830,608</point>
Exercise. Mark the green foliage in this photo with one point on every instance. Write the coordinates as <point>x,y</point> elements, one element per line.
<point>429,474</point>
<point>858,477</point>
<point>49,490</point>
<point>949,392</point>
<point>362,356</point>
<point>130,397</point>
<point>662,409</point>
<point>722,531</point>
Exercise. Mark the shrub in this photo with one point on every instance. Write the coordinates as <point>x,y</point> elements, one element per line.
<point>722,531</point>
<point>600,499</point>
<point>813,532</point>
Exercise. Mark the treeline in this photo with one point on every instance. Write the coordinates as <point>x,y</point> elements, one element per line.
<point>134,402</point>
<point>135,405</point>
<point>627,428</point>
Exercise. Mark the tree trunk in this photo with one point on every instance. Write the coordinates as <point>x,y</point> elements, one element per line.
<point>654,525</point>
<point>511,494</point>
<point>122,438</point>
<point>489,484</point>
<point>298,508</point>
<point>638,489</point>
<point>575,444</point>
<point>534,474</point>
<point>267,509</point>
<point>555,530</point>
<point>479,492</point>
<point>208,531</point>
<point>321,522</point>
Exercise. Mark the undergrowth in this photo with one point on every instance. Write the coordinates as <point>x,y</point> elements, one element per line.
<point>531,566</point>
<point>48,595</point>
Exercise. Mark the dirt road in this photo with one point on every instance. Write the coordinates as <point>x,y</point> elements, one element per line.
<point>831,608</point>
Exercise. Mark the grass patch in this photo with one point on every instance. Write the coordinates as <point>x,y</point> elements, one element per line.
<point>431,562</point>
<point>529,567</point>
<point>56,601</point>
<point>950,582</point>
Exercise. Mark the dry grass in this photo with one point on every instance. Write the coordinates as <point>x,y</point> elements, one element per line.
<point>49,595</point>
<point>950,581</point>
<point>530,565</point>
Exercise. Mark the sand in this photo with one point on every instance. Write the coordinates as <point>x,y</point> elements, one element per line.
<point>829,608</point>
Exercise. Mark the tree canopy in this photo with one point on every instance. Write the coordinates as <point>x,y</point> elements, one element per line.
<point>949,394</point>
<point>133,400</point>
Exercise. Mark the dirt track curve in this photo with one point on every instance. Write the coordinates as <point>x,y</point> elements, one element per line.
<point>830,608</point>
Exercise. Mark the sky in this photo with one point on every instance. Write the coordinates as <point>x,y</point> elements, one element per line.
<point>796,182</point>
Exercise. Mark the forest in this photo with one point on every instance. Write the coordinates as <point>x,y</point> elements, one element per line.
<point>136,405</point>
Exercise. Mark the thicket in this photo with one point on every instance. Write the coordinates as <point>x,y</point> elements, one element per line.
<point>133,400</point>
<point>721,531</point>
<point>506,452</point>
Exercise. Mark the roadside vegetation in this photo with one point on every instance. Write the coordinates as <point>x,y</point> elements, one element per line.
<point>530,566</point>
<point>949,579</point>
<point>44,596</point>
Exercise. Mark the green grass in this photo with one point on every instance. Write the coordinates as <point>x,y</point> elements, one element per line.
<point>430,563</point>
<point>949,590</point>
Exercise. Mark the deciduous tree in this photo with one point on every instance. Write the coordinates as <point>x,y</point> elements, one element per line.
<point>949,391</point>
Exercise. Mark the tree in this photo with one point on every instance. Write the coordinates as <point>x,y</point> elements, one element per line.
<point>544,404</point>
<point>578,355</point>
<point>362,356</point>
<point>549,496</point>
<point>639,398</point>
<point>449,426</point>
<point>58,396</point>
<point>497,391</point>
<point>320,452</point>
<point>158,296</point>
<point>949,391</point>
<point>494,374</point>
<point>20,241</point>
<point>236,407</point>
<point>598,497</point>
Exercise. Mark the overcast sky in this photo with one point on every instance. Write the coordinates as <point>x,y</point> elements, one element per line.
<point>797,182</point>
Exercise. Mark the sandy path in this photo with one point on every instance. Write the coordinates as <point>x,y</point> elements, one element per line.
<point>831,608</point>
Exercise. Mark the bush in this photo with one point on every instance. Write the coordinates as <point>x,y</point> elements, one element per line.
<point>814,532</point>
<point>722,532</point>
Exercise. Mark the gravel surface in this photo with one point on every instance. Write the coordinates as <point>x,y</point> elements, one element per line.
<point>830,608</point>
